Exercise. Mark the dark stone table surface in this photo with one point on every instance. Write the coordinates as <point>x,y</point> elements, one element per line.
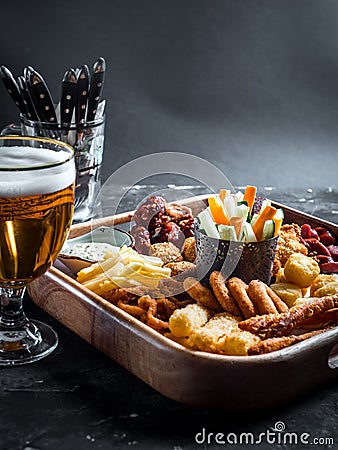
<point>77,398</point>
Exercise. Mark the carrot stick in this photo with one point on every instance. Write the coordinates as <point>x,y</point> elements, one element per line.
<point>250,195</point>
<point>267,214</point>
<point>278,223</point>
<point>217,211</point>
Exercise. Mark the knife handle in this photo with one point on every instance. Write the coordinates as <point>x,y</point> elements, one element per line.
<point>99,71</point>
<point>12,88</point>
<point>30,111</point>
<point>83,82</point>
<point>68,96</point>
<point>41,97</point>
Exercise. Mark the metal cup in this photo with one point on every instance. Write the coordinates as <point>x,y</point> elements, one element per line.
<point>246,260</point>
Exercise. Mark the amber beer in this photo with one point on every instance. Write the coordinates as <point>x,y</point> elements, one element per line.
<point>35,216</point>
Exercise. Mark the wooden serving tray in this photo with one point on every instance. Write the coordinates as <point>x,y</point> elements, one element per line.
<point>190,377</point>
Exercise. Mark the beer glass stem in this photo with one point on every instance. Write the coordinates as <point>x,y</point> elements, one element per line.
<point>12,314</point>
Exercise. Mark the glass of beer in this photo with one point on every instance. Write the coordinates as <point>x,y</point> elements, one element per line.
<point>36,209</point>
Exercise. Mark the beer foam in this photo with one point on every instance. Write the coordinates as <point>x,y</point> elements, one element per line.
<point>38,180</point>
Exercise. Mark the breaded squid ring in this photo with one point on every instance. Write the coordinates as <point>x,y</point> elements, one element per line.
<point>222,293</point>
<point>238,290</point>
<point>132,309</point>
<point>201,294</point>
<point>260,298</point>
<point>278,302</point>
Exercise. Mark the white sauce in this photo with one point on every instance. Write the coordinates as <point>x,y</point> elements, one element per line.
<point>90,251</point>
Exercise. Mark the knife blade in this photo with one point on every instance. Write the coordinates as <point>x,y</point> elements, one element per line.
<point>31,114</point>
<point>68,96</point>
<point>41,96</point>
<point>12,88</point>
<point>99,71</point>
<point>83,82</point>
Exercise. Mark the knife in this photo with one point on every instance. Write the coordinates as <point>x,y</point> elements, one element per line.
<point>41,97</point>
<point>99,71</point>
<point>68,96</point>
<point>12,88</point>
<point>30,111</point>
<point>83,82</point>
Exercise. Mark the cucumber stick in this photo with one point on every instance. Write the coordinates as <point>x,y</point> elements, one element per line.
<point>208,224</point>
<point>268,229</point>
<point>227,232</point>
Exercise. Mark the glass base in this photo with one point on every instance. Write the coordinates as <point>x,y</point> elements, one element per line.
<point>34,341</point>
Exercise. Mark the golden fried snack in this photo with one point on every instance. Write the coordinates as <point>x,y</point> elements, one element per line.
<point>280,277</point>
<point>305,300</point>
<point>276,325</point>
<point>114,295</point>
<point>207,338</point>
<point>181,268</point>
<point>184,321</point>
<point>329,317</point>
<point>301,270</point>
<point>218,284</point>
<point>166,251</point>
<point>237,343</point>
<point>328,289</point>
<point>288,243</point>
<point>321,281</point>
<point>288,292</point>
<point>260,298</point>
<point>201,294</point>
<point>131,307</point>
<point>182,301</point>
<point>180,340</point>
<point>189,249</point>
<point>278,343</point>
<point>278,302</point>
<point>158,311</point>
<point>238,289</point>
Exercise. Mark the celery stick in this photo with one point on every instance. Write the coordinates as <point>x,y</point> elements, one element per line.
<point>230,205</point>
<point>253,220</point>
<point>239,196</point>
<point>242,211</point>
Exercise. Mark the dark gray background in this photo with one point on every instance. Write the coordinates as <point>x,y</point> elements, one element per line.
<point>250,85</point>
